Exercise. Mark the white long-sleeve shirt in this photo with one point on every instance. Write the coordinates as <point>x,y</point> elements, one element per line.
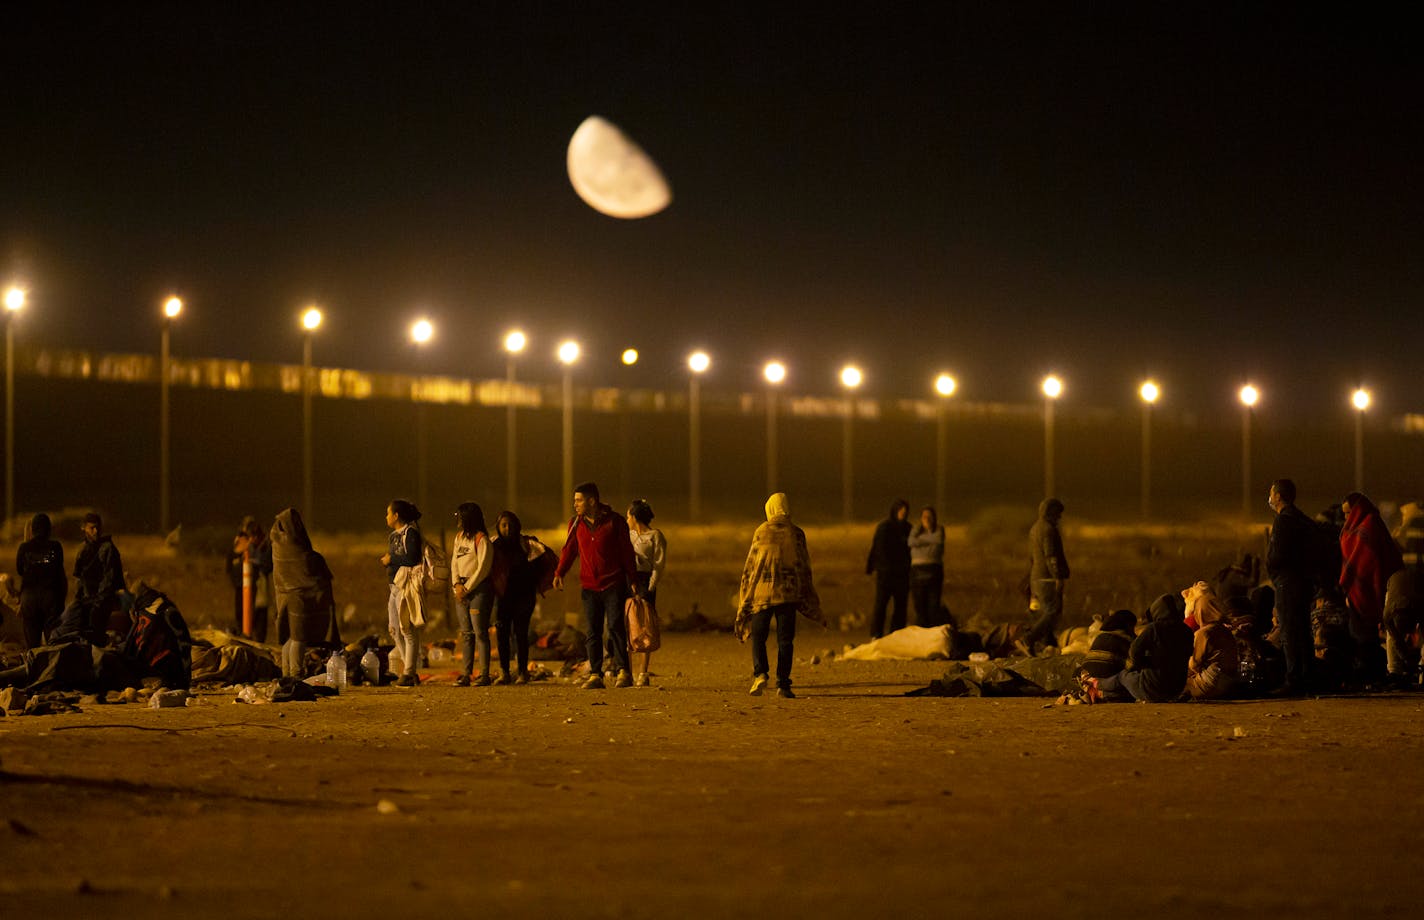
<point>471,562</point>
<point>650,553</point>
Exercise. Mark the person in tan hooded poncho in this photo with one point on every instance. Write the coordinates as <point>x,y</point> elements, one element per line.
<point>301,580</point>
<point>776,584</point>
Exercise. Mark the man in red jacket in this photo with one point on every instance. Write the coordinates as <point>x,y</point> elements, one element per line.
<point>598,538</point>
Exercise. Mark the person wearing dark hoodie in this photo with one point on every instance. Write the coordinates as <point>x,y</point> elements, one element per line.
<point>1157,664</point>
<point>1048,573</point>
<point>1291,561</point>
<point>99,572</point>
<point>1108,651</point>
<point>305,603</point>
<point>43,586</point>
<point>889,562</point>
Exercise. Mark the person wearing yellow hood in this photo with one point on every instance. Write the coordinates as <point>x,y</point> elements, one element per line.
<point>776,584</point>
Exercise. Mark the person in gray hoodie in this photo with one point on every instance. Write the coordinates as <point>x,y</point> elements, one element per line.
<point>1048,573</point>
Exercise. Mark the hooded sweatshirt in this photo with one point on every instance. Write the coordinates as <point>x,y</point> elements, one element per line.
<point>1161,653</point>
<point>778,567</point>
<point>1216,663</point>
<point>1046,543</point>
<point>890,547</point>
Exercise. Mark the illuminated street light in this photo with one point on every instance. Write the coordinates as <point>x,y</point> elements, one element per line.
<point>774,372</point>
<point>1360,399</point>
<point>311,321</point>
<point>944,385</point>
<point>14,303</point>
<point>422,331</point>
<point>629,357</point>
<point>851,378</point>
<point>698,362</point>
<point>514,343</point>
<point>1052,389</point>
<point>568,356</point>
<point>1149,393</point>
<point>1249,396</point>
<point>171,308</point>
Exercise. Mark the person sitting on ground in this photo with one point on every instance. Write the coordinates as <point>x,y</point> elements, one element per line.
<point>1238,578</point>
<point>40,564</point>
<point>1107,654</point>
<point>99,574</point>
<point>301,580</point>
<point>1334,645</point>
<point>1215,666</point>
<point>1260,664</point>
<point>776,585</point>
<point>1404,598</point>
<point>1201,599</point>
<point>1157,664</point>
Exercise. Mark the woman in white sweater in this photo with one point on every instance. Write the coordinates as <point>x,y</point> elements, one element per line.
<point>469,578</point>
<point>650,553</point>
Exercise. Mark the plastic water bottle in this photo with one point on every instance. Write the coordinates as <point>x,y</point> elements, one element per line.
<point>395,662</point>
<point>336,670</point>
<point>371,667</point>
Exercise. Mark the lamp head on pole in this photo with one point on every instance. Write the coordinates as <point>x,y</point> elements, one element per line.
<point>945,385</point>
<point>311,319</point>
<point>851,377</point>
<point>422,331</point>
<point>1150,392</point>
<point>515,341</point>
<point>698,362</point>
<point>1249,396</point>
<point>1361,399</point>
<point>15,299</point>
<point>172,307</point>
<point>1052,387</point>
<point>568,352</point>
<point>630,357</point>
<point>774,372</point>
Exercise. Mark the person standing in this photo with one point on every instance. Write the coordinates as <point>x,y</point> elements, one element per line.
<point>598,539</point>
<point>650,556</point>
<point>43,586</point>
<point>889,562</point>
<point>302,589</point>
<point>1291,563</point>
<point>403,559</point>
<point>522,566</point>
<point>474,600</point>
<point>240,541</point>
<point>776,585</point>
<point>927,568</point>
<point>259,551</point>
<point>1048,574</point>
<point>99,574</point>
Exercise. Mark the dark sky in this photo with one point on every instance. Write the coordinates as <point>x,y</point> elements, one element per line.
<point>1195,191</point>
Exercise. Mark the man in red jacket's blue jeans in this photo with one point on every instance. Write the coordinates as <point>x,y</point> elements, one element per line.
<point>598,538</point>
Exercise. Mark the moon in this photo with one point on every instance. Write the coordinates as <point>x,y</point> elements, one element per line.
<point>612,174</point>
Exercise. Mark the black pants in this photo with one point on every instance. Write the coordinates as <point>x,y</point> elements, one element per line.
<point>759,628</point>
<point>511,618</point>
<point>927,588</point>
<point>39,613</point>
<point>1293,599</point>
<point>889,587</point>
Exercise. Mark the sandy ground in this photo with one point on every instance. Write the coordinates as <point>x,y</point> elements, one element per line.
<point>691,798</point>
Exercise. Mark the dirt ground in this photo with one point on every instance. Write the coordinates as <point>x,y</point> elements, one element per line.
<point>691,798</point>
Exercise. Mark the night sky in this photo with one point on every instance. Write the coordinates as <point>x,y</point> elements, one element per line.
<point>1193,191</point>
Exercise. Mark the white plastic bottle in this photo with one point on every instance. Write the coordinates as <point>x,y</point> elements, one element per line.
<point>371,667</point>
<point>336,670</point>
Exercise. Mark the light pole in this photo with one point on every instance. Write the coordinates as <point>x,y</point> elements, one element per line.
<point>775,373</point>
<point>1052,389</point>
<point>1249,395</point>
<point>171,308</point>
<point>568,356</point>
<point>514,343</point>
<point>945,386</point>
<point>1361,401</point>
<point>14,303</point>
<point>421,332</point>
<point>851,378</point>
<point>698,362</point>
<point>625,463</point>
<point>1150,392</point>
<point>311,320</point>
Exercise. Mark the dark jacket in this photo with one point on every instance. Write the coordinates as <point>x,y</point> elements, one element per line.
<point>1046,543</point>
<point>409,550</point>
<point>40,565</point>
<point>99,571</point>
<point>1160,654</point>
<point>1291,549</point>
<point>890,548</point>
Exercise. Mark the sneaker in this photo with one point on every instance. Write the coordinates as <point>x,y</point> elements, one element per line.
<point>521,678</point>
<point>642,680</point>
<point>593,683</point>
<point>463,680</point>
<point>482,681</point>
<point>503,680</point>
<point>758,685</point>
<point>785,693</point>
<point>408,680</point>
<point>624,679</point>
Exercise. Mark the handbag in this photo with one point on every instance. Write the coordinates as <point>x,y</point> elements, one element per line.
<point>644,631</point>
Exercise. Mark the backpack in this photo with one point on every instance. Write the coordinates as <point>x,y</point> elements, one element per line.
<point>434,568</point>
